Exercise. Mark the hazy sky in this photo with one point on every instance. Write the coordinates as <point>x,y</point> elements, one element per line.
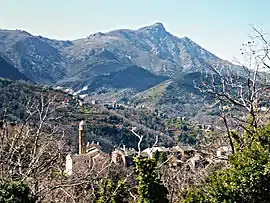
<point>220,26</point>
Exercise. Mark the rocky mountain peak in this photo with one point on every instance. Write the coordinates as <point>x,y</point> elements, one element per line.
<point>154,28</point>
<point>158,26</point>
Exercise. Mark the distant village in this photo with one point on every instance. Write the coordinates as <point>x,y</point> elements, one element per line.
<point>91,155</point>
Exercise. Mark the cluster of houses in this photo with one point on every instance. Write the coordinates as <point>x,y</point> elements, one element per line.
<point>113,106</point>
<point>92,157</point>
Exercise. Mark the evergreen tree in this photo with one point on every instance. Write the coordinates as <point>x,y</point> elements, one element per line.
<point>149,188</point>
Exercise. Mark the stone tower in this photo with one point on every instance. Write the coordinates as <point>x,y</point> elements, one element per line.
<point>82,146</point>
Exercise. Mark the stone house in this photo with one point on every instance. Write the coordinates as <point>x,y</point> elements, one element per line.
<point>82,164</point>
<point>183,152</point>
<point>149,152</point>
<point>123,157</point>
<point>90,157</point>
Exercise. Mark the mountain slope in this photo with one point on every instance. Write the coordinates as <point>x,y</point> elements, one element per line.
<point>36,57</point>
<point>71,62</point>
<point>175,97</point>
<point>132,77</point>
<point>179,98</point>
<point>151,47</point>
<point>10,72</point>
<point>104,126</point>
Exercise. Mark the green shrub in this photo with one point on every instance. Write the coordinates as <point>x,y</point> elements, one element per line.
<point>149,188</point>
<point>248,178</point>
<point>14,192</point>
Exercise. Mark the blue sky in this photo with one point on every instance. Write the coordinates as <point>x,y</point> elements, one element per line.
<point>220,26</point>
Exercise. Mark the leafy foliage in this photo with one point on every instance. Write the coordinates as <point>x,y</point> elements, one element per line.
<point>14,192</point>
<point>149,188</point>
<point>160,157</point>
<point>248,178</point>
<point>111,192</point>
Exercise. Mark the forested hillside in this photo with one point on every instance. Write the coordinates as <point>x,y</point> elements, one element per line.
<point>107,127</point>
<point>10,72</point>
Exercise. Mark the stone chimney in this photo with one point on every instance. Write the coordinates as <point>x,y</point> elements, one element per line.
<point>82,147</point>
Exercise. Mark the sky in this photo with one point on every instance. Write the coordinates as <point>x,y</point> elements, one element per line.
<point>220,26</point>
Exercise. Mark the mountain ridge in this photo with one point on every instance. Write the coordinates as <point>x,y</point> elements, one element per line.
<point>118,60</point>
<point>151,47</point>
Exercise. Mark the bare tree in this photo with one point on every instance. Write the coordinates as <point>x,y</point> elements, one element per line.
<point>140,139</point>
<point>242,92</point>
<point>32,151</point>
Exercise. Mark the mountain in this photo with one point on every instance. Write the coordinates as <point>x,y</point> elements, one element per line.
<point>147,66</point>
<point>72,63</point>
<point>38,58</point>
<point>10,72</point>
<point>151,47</point>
